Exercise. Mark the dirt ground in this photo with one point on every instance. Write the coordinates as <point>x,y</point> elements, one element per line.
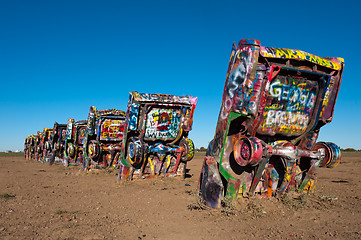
<point>42,202</point>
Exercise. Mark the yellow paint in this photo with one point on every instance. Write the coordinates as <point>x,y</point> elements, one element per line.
<point>168,161</point>
<point>300,55</point>
<point>90,150</point>
<point>288,175</point>
<point>310,186</point>
<point>151,165</point>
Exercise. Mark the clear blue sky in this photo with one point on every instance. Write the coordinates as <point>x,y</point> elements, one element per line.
<point>57,58</point>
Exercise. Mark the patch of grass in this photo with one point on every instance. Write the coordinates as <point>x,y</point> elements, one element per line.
<point>295,202</point>
<point>228,206</point>
<point>61,212</point>
<point>12,154</point>
<point>6,196</point>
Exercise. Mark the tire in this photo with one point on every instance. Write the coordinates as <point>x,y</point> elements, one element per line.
<point>188,149</point>
<point>134,152</point>
<point>71,151</point>
<point>94,150</point>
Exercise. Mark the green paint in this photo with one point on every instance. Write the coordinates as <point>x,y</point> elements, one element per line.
<point>224,172</point>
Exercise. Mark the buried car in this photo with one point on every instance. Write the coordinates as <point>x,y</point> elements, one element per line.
<point>103,137</point>
<point>46,139</point>
<point>29,147</point>
<point>38,146</point>
<point>156,135</point>
<point>57,143</point>
<point>74,140</point>
<point>274,103</point>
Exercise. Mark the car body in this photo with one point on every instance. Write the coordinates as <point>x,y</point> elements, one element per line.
<point>57,143</point>
<point>45,145</point>
<point>26,147</point>
<point>29,147</point>
<point>104,137</point>
<point>38,146</point>
<point>74,141</point>
<point>156,135</point>
<point>274,103</point>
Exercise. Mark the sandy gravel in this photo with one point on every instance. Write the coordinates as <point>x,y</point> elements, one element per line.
<point>42,202</point>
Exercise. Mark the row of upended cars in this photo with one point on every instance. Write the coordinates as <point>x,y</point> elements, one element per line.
<point>275,101</point>
<point>151,138</point>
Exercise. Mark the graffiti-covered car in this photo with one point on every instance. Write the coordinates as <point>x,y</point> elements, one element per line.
<point>156,135</point>
<point>104,137</point>
<point>74,140</point>
<point>274,103</point>
<point>46,138</point>
<point>38,146</point>
<point>28,147</point>
<point>32,146</point>
<point>57,143</point>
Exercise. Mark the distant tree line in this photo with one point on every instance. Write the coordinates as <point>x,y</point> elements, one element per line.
<point>350,150</point>
<point>201,149</point>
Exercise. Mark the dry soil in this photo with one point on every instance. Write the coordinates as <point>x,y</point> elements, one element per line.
<point>38,201</point>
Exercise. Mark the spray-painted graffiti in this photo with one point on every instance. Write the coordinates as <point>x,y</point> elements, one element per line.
<point>283,121</point>
<point>156,135</point>
<point>300,55</point>
<point>46,143</point>
<point>103,137</point>
<point>238,75</point>
<point>163,124</point>
<point>112,130</point>
<point>81,132</point>
<point>133,120</point>
<point>273,106</point>
<point>63,134</point>
<point>69,128</point>
<point>165,98</point>
<point>289,106</point>
<point>241,90</point>
<point>57,144</point>
<point>73,149</point>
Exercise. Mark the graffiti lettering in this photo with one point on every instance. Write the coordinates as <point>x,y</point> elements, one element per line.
<point>289,107</point>
<point>297,97</point>
<point>112,129</point>
<point>298,54</point>
<point>152,97</point>
<point>162,123</point>
<point>290,121</point>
